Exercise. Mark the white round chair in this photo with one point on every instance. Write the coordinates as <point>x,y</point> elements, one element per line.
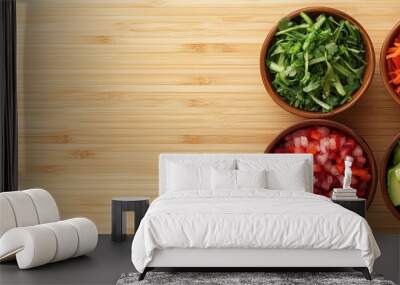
<point>31,230</point>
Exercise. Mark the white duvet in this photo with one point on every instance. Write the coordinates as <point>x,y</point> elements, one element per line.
<point>250,219</point>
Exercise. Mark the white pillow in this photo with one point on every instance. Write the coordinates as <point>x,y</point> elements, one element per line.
<point>280,174</point>
<point>188,177</point>
<point>188,174</point>
<point>251,178</point>
<point>291,179</point>
<point>223,179</point>
<point>226,179</point>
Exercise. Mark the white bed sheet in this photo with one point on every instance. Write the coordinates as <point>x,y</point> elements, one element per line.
<point>250,219</point>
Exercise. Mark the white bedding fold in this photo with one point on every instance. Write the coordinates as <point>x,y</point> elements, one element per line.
<point>250,219</point>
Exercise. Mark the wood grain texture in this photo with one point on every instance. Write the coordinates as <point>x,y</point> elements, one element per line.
<point>104,87</point>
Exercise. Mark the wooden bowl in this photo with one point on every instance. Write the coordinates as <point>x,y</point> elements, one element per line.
<point>368,74</point>
<point>383,178</point>
<point>344,129</point>
<point>383,64</point>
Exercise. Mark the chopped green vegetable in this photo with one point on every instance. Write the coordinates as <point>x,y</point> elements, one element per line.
<point>316,63</point>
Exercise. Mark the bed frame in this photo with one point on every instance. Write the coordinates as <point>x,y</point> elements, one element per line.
<point>246,259</point>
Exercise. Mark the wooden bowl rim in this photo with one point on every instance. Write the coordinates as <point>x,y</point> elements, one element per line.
<point>384,167</point>
<point>343,128</point>
<point>367,78</point>
<point>382,62</point>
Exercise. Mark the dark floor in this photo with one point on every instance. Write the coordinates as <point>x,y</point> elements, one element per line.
<point>110,260</point>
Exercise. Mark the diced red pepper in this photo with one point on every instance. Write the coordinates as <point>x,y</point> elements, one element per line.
<point>345,151</point>
<point>340,167</point>
<point>361,173</point>
<point>290,149</point>
<point>315,135</point>
<point>317,168</point>
<point>312,148</point>
<point>350,143</point>
<point>299,150</point>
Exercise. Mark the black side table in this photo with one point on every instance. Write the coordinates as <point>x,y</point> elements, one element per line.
<point>357,205</point>
<point>120,205</point>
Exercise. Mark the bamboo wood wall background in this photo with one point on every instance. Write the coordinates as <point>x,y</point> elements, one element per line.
<point>104,86</point>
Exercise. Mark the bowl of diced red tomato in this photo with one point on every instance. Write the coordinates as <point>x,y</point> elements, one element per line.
<point>390,63</point>
<point>330,142</point>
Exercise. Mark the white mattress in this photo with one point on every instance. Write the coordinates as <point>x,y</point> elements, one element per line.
<point>253,219</point>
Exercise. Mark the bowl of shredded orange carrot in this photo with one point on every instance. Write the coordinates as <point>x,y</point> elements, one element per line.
<point>390,63</point>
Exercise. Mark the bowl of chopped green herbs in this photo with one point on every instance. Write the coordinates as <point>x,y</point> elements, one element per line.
<point>317,62</point>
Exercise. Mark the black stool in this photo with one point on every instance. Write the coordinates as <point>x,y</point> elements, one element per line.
<point>124,204</point>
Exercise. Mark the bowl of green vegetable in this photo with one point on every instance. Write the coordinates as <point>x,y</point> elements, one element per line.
<point>317,62</point>
<point>390,177</point>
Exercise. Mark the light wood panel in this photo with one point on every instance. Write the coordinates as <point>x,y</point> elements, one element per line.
<point>105,86</point>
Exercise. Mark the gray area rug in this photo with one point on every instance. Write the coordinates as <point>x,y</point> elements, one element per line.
<point>233,278</point>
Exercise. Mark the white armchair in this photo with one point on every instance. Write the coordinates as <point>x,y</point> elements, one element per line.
<point>31,230</point>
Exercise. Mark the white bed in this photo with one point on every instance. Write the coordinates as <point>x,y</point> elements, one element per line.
<point>248,227</point>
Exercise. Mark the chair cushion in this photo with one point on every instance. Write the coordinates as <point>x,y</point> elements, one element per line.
<point>7,220</point>
<point>33,245</point>
<point>67,240</point>
<point>87,233</point>
<point>46,207</point>
<point>23,208</point>
<point>40,244</point>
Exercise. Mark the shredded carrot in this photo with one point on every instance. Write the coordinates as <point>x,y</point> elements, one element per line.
<point>393,64</point>
<point>396,77</point>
